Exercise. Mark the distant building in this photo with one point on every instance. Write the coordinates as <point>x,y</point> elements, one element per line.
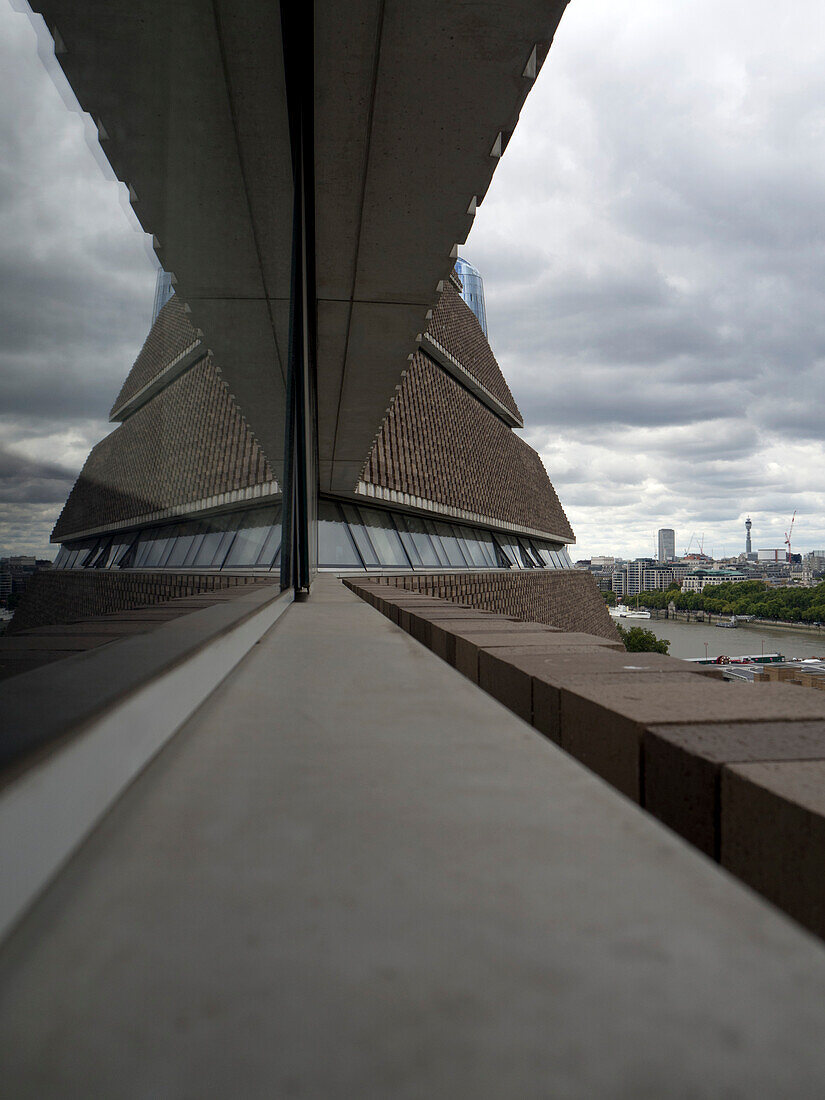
<point>15,573</point>
<point>775,554</point>
<point>163,292</point>
<point>667,544</point>
<point>643,575</point>
<point>703,578</point>
<point>472,290</point>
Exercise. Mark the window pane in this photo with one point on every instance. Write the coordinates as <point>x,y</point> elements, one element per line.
<point>187,534</point>
<point>250,539</point>
<point>120,544</point>
<point>336,548</point>
<point>417,542</point>
<point>195,543</point>
<point>83,554</point>
<point>218,533</point>
<point>384,538</point>
<point>485,541</point>
<point>510,550</point>
<point>471,546</point>
<point>543,552</point>
<point>529,561</point>
<point>60,559</point>
<point>451,545</point>
<point>438,546</point>
<point>358,531</point>
<point>273,542</point>
<point>157,549</point>
<point>97,555</point>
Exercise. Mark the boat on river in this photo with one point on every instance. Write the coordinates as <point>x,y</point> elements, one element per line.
<point>620,611</point>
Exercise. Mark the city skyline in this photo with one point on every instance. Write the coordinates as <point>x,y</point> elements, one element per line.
<point>662,382</point>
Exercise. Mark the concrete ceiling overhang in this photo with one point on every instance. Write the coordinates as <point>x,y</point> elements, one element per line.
<point>414,103</point>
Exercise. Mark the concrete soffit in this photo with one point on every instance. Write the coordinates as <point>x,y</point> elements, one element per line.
<point>190,106</point>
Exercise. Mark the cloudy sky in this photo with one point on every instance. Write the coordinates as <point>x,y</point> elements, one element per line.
<point>652,248</point>
<point>76,282</point>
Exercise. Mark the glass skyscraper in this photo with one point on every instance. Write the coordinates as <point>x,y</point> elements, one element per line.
<point>163,292</point>
<point>473,290</point>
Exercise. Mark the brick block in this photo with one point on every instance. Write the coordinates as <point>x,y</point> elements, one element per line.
<point>773,834</point>
<point>468,645</point>
<point>683,764</point>
<point>602,723</point>
<point>508,675</point>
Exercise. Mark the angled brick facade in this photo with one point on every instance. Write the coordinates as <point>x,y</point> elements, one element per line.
<point>455,327</point>
<point>568,600</point>
<point>188,443</point>
<point>440,443</point>
<point>169,337</point>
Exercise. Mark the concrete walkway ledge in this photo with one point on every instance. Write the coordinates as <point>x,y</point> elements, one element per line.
<point>76,733</point>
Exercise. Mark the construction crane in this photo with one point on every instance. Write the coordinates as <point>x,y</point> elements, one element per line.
<point>788,534</point>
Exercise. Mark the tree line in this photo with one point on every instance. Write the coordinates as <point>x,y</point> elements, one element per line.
<point>795,605</point>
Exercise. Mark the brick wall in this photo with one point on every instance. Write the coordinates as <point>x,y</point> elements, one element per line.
<point>62,596</point>
<point>440,443</point>
<point>188,443</point>
<point>567,600</point>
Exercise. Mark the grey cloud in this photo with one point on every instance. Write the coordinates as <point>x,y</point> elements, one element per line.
<point>76,276</point>
<point>25,480</point>
<point>26,529</point>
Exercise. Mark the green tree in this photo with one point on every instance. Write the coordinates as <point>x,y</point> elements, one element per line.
<point>639,640</point>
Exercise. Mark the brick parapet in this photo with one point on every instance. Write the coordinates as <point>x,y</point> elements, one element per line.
<point>567,599</point>
<point>66,595</point>
<point>736,769</point>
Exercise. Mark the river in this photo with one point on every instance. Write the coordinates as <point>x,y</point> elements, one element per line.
<point>688,639</point>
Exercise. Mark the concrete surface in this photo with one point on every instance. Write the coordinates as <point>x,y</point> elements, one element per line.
<point>355,874</point>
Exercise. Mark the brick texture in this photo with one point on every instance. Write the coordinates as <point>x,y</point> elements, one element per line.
<point>170,335</point>
<point>568,600</point>
<point>439,442</point>
<point>188,443</point>
<point>64,596</point>
<point>455,327</point>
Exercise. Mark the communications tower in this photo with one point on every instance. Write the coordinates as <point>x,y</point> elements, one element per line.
<point>748,526</point>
